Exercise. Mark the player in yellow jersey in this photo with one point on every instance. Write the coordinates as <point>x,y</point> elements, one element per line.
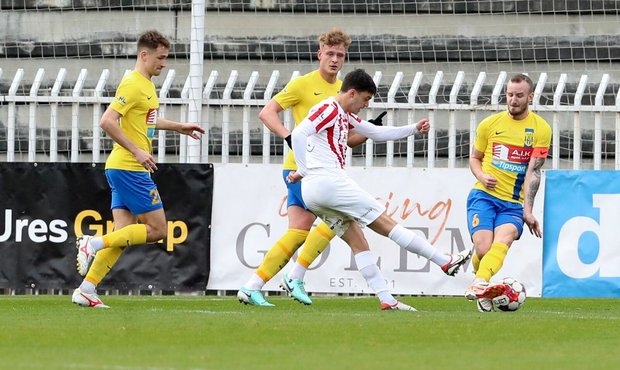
<point>509,151</point>
<point>137,209</point>
<point>300,95</point>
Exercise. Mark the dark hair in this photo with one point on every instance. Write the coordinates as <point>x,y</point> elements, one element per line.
<point>520,78</point>
<point>152,40</point>
<point>359,80</point>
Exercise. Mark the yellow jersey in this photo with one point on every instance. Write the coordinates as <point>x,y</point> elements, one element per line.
<point>301,94</point>
<point>508,145</point>
<point>136,101</point>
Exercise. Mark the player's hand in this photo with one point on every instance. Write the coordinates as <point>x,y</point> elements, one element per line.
<point>533,225</point>
<point>191,129</point>
<point>293,177</point>
<point>288,141</point>
<point>378,121</point>
<point>423,125</point>
<point>489,181</point>
<point>146,160</point>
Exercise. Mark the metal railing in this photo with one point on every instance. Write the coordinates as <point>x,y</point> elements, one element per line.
<point>235,111</point>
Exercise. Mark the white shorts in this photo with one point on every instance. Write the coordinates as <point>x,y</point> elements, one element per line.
<point>338,200</point>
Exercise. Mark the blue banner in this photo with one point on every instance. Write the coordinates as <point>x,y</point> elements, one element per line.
<point>581,243</point>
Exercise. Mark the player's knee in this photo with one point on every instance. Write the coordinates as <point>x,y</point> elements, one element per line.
<point>156,232</point>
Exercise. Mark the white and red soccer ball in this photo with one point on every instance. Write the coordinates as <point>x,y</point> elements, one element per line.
<point>513,298</point>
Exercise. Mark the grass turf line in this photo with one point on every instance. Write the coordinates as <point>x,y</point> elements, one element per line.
<point>143,332</point>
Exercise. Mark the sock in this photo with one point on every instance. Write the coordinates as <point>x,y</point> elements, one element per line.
<point>280,253</point>
<point>367,266</point>
<point>102,264</point>
<point>411,242</point>
<point>95,244</point>
<point>298,271</point>
<point>87,287</point>
<point>129,235</point>
<point>318,239</point>
<point>492,261</point>
<point>475,261</point>
<point>255,283</point>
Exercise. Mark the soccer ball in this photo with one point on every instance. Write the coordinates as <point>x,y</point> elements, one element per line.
<point>513,298</point>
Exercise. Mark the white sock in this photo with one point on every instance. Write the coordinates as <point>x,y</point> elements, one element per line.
<point>297,272</point>
<point>414,243</point>
<point>255,283</point>
<point>87,287</point>
<point>367,266</point>
<point>95,244</point>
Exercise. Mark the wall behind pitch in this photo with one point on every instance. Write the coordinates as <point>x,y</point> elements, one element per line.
<point>45,205</point>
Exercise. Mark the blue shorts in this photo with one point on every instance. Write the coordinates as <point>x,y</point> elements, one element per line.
<point>294,192</point>
<point>133,191</point>
<point>486,212</point>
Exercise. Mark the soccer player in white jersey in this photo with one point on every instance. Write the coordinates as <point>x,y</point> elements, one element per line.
<point>320,147</point>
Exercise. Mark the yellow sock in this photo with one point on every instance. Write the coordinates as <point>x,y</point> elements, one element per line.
<point>103,262</point>
<point>492,261</point>
<point>129,235</point>
<point>317,241</point>
<point>280,253</point>
<point>475,262</point>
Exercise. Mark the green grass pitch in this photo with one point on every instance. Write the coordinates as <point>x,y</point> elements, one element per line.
<point>208,332</point>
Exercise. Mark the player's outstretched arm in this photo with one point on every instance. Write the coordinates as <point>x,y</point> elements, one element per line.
<point>356,138</point>
<point>190,129</point>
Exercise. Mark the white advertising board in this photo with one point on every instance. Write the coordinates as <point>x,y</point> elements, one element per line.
<point>249,216</point>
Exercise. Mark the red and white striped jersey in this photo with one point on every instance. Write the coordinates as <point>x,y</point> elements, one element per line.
<point>320,140</point>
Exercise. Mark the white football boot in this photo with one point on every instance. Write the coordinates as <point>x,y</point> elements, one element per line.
<point>87,300</point>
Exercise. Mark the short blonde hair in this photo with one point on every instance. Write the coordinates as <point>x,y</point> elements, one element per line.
<point>518,78</point>
<point>335,37</point>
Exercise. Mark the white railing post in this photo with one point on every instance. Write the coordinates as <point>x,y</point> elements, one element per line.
<point>617,136</point>
<point>60,77</point>
<point>598,118</point>
<point>411,96</point>
<point>12,116</point>
<point>271,85</point>
<point>163,95</point>
<point>577,122</point>
<point>497,89</point>
<point>196,75</point>
<point>184,114</point>
<point>456,87</point>
<point>32,115</point>
<point>103,79</point>
<point>226,104</point>
<point>206,122</point>
<point>369,144</point>
<point>540,86</point>
<point>245,133</point>
<point>473,101</point>
<point>432,109</point>
<point>289,121</point>
<point>75,115</point>
<point>391,99</point>
<point>557,99</point>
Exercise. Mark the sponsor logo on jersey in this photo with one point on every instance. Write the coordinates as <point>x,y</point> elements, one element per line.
<point>511,153</point>
<point>151,121</point>
<point>511,158</point>
<point>151,116</point>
